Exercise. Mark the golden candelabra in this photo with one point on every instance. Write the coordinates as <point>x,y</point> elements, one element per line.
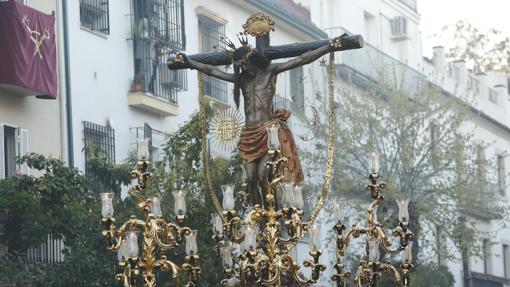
<point>264,259</point>
<point>371,268</point>
<point>158,235</point>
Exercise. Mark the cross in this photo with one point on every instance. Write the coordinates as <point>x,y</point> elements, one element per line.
<point>256,76</point>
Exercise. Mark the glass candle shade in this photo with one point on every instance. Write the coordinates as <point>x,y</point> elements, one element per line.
<point>142,150</point>
<point>156,206</point>
<point>315,241</point>
<point>298,196</point>
<point>180,202</point>
<point>121,253</point>
<point>217,224</point>
<point>373,249</point>
<point>106,204</point>
<point>407,256</point>
<point>228,196</point>
<point>339,212</point>
<point>403,211</point>
<point>250,238</point>
<point>374,163</point>
<point>273,140</point>
<point>226,256</point>
<point>131,244</point>
<point>191,243</point>
<point>288,194</point>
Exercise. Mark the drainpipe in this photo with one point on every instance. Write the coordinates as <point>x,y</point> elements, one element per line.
<point>69,111</point>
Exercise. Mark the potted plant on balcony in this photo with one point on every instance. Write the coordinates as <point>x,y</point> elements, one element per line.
<point>138,84</point>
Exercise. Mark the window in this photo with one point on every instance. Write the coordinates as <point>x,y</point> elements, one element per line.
<point>94,15</point>
<point>474,85</point>
<point>493,96</point>
<point>506,260</point>
<point>486,256</point>
<point>13,143</point>
<point>297,90</point>
<point>157,31</point>
<point>211,35</point>
<point>98,138</point>
<point>399,27</point>
<point>500,161</point>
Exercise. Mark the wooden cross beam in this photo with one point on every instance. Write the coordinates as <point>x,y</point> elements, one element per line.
<point>348,42</point>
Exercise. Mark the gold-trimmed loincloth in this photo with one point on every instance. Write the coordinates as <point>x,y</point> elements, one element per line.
<point>253,144</point>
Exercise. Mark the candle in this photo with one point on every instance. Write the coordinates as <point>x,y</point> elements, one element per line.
<point>131,244</point>
<point>374,163</point>
<point>106,204</point>
<point>143,149</point>
<point>226,255</point>
<point>288,194</point>
<point>315,242</point>
<point>273,141</point>
<point>191,243</point>
<point>180,203</point>
<point>217,224</point>
<point>298,196</point>
<point>339,212</point>
<point>403,210</point>
<point>228,196</point>
<point>155,207</point>
<point>250,238</point>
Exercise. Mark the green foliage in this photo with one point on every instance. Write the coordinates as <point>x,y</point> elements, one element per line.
<point>432,275</point>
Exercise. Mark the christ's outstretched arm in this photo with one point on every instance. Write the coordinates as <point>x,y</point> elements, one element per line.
<point>204,68</point>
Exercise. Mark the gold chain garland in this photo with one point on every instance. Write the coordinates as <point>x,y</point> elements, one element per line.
<point>330,155</point>
<point>205,148</point>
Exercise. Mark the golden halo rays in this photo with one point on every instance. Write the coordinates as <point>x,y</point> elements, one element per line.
<point>226,127</point>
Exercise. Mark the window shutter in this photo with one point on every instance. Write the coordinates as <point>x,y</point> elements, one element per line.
<point>2,152</point>
<point>22,148</point>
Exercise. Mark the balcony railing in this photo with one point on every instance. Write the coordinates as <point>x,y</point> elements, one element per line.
<point>157,31</point>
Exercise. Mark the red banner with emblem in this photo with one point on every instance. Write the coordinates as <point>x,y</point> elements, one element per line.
<point>28,55</point>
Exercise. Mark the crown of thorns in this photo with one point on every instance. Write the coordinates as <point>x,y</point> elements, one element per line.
<point>230,48</point>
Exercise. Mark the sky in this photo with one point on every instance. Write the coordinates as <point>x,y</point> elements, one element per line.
<point>484,15</point>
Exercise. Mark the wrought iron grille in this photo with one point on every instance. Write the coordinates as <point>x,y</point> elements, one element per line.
<point>211,34</point>
<point>160,21</point>
<point>157,28</point>
<point>101,137</point>
<point>48,252</point>
<point>95,15</point>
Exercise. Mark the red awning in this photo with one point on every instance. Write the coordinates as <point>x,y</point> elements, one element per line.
<point>28,56</point>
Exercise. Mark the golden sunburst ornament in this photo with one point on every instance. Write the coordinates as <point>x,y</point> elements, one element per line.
<point>258,25</point>
<point>226,128</point>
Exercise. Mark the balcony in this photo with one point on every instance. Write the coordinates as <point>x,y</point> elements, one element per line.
<point>157,31</point>
<point>28,53</point>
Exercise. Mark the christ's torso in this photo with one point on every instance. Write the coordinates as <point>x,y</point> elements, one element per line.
<point>258,88</point>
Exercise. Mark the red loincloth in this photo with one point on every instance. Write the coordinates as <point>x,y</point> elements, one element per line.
<point>253,144</point>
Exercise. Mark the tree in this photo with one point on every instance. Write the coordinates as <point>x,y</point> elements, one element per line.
<point>482,51</point>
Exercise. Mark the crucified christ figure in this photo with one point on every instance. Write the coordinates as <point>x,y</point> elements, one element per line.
<point>255,76</point>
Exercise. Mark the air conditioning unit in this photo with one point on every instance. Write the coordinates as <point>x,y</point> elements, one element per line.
<point>399,29</point>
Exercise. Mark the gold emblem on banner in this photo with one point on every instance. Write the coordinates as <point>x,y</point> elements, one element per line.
<point>36,36</point>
